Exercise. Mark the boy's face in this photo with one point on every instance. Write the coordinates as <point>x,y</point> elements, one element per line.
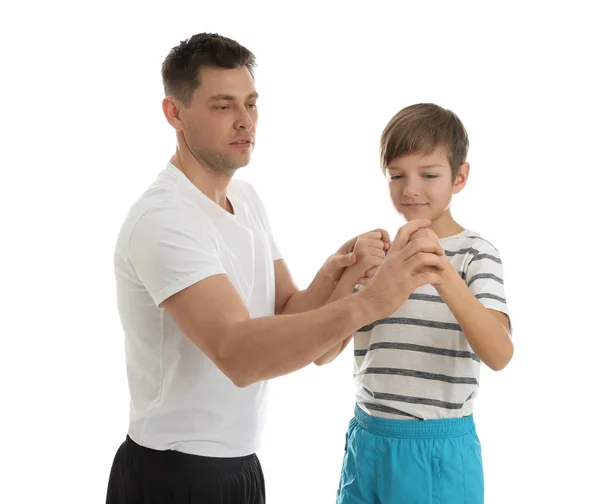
<point>421,186</point>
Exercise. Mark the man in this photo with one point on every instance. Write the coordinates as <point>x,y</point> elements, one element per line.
<point>209,309</point>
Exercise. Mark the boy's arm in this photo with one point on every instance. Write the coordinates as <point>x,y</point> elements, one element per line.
<point>487,330</point>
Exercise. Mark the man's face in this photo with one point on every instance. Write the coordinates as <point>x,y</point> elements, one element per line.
<point>421,186</point>
<point>220,123</point>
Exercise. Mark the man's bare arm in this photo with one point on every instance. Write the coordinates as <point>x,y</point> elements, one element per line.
<point>212,315</point>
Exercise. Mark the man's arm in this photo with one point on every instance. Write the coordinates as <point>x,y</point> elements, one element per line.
<point>213,316</point>
<point>345,288</point>
<point>291,300</point>
<point>372,255</point>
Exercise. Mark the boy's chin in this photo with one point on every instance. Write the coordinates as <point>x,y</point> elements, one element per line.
<point>417,214</point>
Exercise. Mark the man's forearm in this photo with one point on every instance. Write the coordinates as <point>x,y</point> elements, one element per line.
<point>486,335</point>
<point>267,347</point>
<point>313,297</point>
<point>344,288</point>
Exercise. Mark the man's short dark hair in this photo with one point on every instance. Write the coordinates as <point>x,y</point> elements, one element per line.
<point>181,68</point>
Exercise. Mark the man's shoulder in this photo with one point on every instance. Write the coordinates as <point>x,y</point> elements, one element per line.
<point>163,211</point>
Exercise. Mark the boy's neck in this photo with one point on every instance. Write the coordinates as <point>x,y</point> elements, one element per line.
<point>445,225</point>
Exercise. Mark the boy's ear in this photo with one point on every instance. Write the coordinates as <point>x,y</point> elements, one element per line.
<point>461,178</point>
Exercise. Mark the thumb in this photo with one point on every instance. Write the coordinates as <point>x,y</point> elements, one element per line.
<point>349,259</point>
<point>409,228</point>
<point>341,261</point>
<point>338,262</point>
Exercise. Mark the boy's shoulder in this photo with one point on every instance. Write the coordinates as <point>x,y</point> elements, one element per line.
<point>470,240</point>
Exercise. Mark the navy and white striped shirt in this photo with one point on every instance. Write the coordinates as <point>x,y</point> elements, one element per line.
<point>418,364</point>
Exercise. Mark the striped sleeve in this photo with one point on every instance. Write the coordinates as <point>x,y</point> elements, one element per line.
<point>485,278</point>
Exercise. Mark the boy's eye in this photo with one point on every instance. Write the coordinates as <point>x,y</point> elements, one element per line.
<point>395,176</point>
<point>430,175</point>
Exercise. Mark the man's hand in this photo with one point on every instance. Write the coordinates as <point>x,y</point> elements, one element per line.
<point>408,265</point>
<point>365,252</point>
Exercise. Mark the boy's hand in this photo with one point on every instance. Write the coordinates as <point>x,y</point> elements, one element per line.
<point>370,249</point>
<point>364,253</point>
<point>446,266</point>
<point>406,267</point>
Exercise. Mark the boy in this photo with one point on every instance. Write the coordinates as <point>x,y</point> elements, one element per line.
<point>412,439</point>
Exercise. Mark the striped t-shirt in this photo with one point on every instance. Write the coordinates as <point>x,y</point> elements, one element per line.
<point>418,364</point>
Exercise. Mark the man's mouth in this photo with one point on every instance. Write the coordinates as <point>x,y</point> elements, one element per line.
<point>242,141</point>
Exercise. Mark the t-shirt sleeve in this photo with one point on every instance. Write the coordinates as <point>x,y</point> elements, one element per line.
<point>485,279</point>
<point>169,253</point>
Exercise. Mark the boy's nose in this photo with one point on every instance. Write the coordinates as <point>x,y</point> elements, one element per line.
<point>411,190</point>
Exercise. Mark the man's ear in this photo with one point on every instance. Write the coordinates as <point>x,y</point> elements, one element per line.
<point>171,108</point>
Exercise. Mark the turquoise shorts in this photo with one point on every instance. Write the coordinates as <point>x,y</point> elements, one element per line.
<point>411,462</point>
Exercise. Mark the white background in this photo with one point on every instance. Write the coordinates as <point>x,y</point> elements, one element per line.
<point>83,135</point>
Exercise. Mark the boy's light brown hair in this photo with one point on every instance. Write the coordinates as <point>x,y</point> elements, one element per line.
<point>423,128</point>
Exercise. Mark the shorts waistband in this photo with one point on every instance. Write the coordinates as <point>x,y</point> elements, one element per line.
<point>438,428</point>
<point>182,460</point>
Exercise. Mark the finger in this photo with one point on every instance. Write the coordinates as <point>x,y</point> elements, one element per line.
<point>370,273</point>
<point>386,237</point>
<point>426,278</point>
<point>427,269</point>
<point>376,252</point>
<point>420,233</point>
<point>421,245</point>
<point>367,243</point>
<point>380,244</point>
<point>405,231</point>
<point>423,259</point>
<point>379,233</point>
<point>372,251</point>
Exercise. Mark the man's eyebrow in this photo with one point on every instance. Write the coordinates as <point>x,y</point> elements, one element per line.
<point>226,97</point>
<point>221,97</point>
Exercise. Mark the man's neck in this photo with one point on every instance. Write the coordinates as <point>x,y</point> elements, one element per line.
<point>212,184</point>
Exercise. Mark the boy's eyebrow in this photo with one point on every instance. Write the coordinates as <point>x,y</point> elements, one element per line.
<point>420,167</point>
<point>226,97</point>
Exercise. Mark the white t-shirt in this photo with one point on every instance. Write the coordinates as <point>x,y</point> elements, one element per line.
<point>173,237</point>
<point>418,364</point>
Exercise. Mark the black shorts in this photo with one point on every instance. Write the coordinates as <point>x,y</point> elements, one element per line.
<point>141,475</point>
